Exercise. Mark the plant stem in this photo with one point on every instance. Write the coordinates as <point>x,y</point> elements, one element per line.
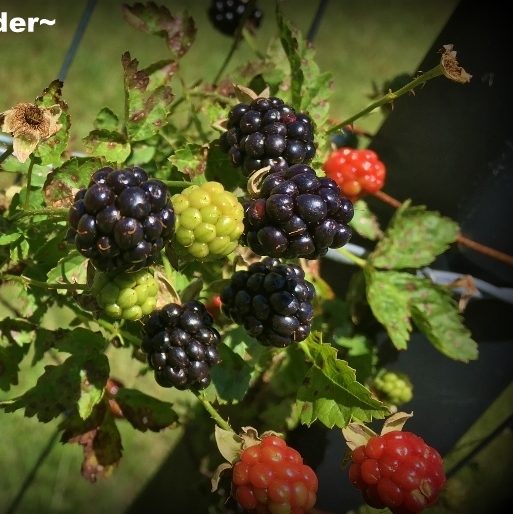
<point>176,183</point>
<point>29,479</point>
<point>61,213</point>
<point>221,422</point>
<point>391,96</point>
<point>43,285</point>
<point>460,238</point>
<point>6,154</point>
<point>352,257</point>
<point>237,37</point>
<point>29,184</point>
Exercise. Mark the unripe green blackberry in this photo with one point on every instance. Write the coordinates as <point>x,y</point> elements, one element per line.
<point>393,387</point>
<point>127,296</point>
<point>208,221</point>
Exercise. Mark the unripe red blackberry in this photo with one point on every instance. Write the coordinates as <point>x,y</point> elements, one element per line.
<point>272,301</point>
<point>271,478</point>
<point>267,132</point>
<point>181,344</point>
<point>122,220</point>
<point>397,470</point>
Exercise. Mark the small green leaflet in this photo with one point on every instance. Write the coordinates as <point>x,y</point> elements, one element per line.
<point>110,145</point>
<point>50,151</point>
<point>148,97</point>
<point>390,303</point>
<point>189,160</point>
<point>71,269</point>
<point>144,412</point>
<point>62,183</point>
<point>106,120</point>
<point>330,392</point>
<point>414,238</point>
<point>179,31</point>
<point>365,222</point>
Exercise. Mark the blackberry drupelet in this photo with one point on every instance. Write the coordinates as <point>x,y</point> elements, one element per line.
<point>181,344</point>
<point>267,132</point>
<point>273,302</point>
<point>226,15</point>
<point>122,220</point>
<point>297,215</point>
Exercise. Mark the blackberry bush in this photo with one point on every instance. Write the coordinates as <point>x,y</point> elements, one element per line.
<point>181,344</point>
<point>209,221</point>
<point>297,214</point>
<point>127,296</point>
<point>122,220</point>
<point>268,132</point>
<point>226,15</point>
<point>272,301</point>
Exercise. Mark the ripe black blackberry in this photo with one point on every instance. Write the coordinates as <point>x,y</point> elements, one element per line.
<point>272,301</point>
<point>122,220</point>
<point>226,15</point>
<point>267,132</point>
<point>297,215</point>
<point>181,344</point>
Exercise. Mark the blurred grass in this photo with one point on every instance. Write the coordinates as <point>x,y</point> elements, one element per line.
<point>359,42</point>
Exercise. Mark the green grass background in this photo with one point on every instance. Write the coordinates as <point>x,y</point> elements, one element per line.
<point>360,42</point>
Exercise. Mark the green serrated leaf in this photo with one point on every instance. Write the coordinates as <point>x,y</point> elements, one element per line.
<point>231,378</point>
<point>51,150</point>
<point>189,160</point>
<point>80,341</point>
<point>142,153</point>
<point>289,38</point>
<point>390,303</point>
<point>62,183</point>
<point>330,392</point>
<point>71,269</point>
<point>107,144</point>
<point>148,97</point>
<point>7,239</point>
<point>144,412</point>
<point>414,238</point>
<point>435,313</point>
<point>61,388</point>
<point>106,120</point>
<point>365,222</point>
<point>179,31</point>
<point>360,353</point>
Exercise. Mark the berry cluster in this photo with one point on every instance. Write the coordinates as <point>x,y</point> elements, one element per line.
<point>208,221</point>
<point>267,132</point>
<point>122,220</point>
<point>297,215</point>
<point>181,344</point>
<point>395,388</point>
<point>397,470</point>
<point>270,478</point>
<point>356,172</point>
<point>272,301</point>
<point>127,296</point>
<point>226,15</point>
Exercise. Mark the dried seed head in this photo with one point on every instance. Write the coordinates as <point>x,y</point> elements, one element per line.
<point>29,124</point>
<point>451,68</point>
